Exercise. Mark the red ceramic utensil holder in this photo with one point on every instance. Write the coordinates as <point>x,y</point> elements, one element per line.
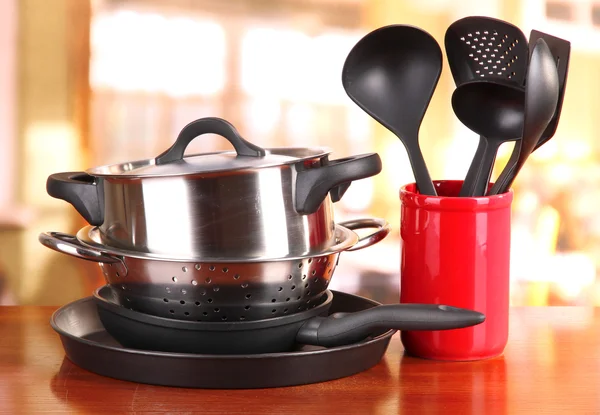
<point>456,251</point>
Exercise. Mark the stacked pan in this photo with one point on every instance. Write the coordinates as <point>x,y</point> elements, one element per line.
<point>227,252</point>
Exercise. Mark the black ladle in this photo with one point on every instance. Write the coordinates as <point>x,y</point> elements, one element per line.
<point>391,73</point>
<point>561,49</point>
<point>493,110</point>
<point>491,50</point>
<point>541,100</point>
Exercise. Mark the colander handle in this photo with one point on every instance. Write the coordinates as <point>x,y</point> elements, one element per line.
<point>209,125</point>
<point>382,230</point>
<point>70,245</point>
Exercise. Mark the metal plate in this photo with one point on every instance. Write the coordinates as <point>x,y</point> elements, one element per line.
<point>88,345</point>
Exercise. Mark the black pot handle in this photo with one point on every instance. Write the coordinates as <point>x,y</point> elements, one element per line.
<point>81,190</point>
<point>313,184</point>
<point>347,328</point>
<point>210,125</point>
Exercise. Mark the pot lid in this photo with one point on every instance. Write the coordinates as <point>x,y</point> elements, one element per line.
<point>173,163</point>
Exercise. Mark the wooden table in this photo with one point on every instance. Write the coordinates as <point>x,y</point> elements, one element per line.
<point>551,365</point>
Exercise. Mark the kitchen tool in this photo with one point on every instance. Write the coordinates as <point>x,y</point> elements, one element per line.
<point>561,50</point>
<point>391,73</point>
<point>541,100</point>
<point>87,344</point>
<point>251,203</point>
<point>495,51</point>
<point>221,290</point>
<point>280,334</point>
<point>494,111</point>
<point>456,251</point>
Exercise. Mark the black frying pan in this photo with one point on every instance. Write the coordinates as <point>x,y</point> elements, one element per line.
<point>147,332</point>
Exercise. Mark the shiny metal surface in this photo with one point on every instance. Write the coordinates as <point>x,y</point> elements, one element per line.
<point>233,215</point>
<point>220,161</point>
<point>218,291</point>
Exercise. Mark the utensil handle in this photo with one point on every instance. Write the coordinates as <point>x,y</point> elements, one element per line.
<point>469,183</point>
<point>313,184</point>
<point>419,167</point>
<point>485,168</point>
<point>81,190</point>
<point>499,186</point>
<point>382,229</point>
<point>70,245</point>
<point>340,329</point>
<point>209,125</point>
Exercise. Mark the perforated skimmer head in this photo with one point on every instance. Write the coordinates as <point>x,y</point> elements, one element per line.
<point>486,48</point>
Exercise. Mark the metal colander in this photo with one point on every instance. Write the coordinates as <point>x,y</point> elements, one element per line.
<point>216,290</point>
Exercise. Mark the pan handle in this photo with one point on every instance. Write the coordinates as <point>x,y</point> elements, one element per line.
<point>347,328</point>
<point>382,230</point>
<point>70,245</point>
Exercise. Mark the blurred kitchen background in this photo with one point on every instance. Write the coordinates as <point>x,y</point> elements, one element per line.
<point>84,83</point>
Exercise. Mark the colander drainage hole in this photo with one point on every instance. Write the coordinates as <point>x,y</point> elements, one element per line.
<point>316,280</point>
<point>197,266</point>
<point>165,300</point>
<point>245,285</point>
<point>224,318</point>
<point>181,302</point>
<point>247,307</point>
<point>174,279</point>
<point>212,268</point>
<point>285,311</point>
<point>290,277</point>
<point>197,303</point>
<point>273,300</point>
<point>172,311</point>
<point>194,282</point>
<point>225,269</point>
<point>236,277</point>
<point>293,287</point>
<point>299,297</point>
<point>209,300</point>
<point>186,313</point>
<point>304,277</point>
<point>309,260</point>
<point>287,299</point>
<point>280,289</point>
<point>242,318</point>
<point>117,274</point>
<point>248,296</point>
<point>274,310</point>
<point>300,265</point>
<point>217,310</point>
<point>184,269</point>
<point>208,280</point>
<point>216,289</point>
<point>314,271</point>
<point>205,313</point>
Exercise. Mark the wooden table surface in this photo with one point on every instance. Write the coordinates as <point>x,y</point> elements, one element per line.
<point>551,365</point>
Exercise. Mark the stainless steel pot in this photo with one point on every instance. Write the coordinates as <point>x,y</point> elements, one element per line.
<point>220,290</point>
<point>247,203</point>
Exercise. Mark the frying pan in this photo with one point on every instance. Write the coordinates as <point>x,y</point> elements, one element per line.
<point>280,334</point>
